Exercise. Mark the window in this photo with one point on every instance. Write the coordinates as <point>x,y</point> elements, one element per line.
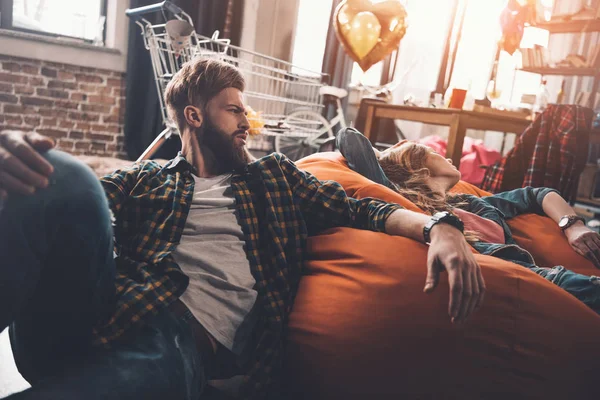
<point>311,33</point>
<point>68,18</point>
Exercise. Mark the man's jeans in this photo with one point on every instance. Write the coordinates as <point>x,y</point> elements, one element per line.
<point>57,281</point>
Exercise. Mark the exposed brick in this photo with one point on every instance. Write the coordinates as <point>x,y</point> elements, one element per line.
<point>9,127</point>
<point>18,109</point>
<point>113,128</point>
<point>30,69</point>
<point>100,108</point>
<point>56,84</point>
<point>79,116</point>
<point>65,144</point>
<point>66,124</point>
<point>14,119</point>
<point>99,146</point>
<point>55,133</point>
<point>32,120</point>
<point>101,99</point>
<point>52,73</point>
<point>52,112</point>
<point>36,101</point>
<point>87,88</point>
<point>78,96</point>
<point>60,94</point>
<point>49,122</point>
<point>82,145</point>
<point>118,92</point>
<point>112,119</point>
<point>12,78</point>
<point>36,81</point>
<point>8,98</point>
<point>71,105</point>
<point>11,66</point>
<point>104,90</point>
<point>83,126</point>
<point>114,82</point>
<point>88,78</point>
<point>83,108</point>
<point>24,89</point>
<point>76,135</point>
<point>66,76</point>
<point>99,136</point>
<point>6,87</point>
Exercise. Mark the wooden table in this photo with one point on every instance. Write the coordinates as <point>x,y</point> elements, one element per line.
<point>458,121</point>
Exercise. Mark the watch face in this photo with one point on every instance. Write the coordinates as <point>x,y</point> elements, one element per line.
<point>563,222</point>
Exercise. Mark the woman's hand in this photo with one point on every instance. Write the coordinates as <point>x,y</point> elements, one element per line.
<point>22,167</point>
<point>584,241</point>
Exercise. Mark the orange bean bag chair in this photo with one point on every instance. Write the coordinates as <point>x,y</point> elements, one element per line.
<point>362,328</point>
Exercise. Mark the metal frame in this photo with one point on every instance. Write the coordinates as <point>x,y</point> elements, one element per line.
<point>274,88</point>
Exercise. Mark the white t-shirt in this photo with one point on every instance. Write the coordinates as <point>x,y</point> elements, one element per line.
<point>211,253</point>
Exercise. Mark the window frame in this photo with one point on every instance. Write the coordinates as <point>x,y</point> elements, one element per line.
<point>6,22</point>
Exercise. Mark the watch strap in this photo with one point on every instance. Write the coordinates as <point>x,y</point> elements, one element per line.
<point>572,218</point>
<point>441,217</point>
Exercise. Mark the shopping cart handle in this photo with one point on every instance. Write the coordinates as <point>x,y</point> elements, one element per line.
<point>135,13</point>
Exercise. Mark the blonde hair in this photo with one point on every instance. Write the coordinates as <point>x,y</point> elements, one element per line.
<point>197,82</point>
<point>405,168</point>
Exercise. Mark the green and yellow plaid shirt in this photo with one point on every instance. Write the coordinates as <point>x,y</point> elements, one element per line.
<point>278,207</point>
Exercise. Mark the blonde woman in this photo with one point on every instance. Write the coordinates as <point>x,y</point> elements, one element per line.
<point>425,178</point>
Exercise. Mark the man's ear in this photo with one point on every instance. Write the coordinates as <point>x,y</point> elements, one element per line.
<point>193,116</point>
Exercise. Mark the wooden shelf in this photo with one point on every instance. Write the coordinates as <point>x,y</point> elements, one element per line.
<point>565,71</point>
<point>573,26</point>
<point>591,202</point>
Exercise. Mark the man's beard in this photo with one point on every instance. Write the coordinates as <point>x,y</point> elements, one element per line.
<point>228,155</point>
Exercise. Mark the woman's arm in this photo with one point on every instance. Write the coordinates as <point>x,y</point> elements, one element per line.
<point>582,239</point>
<point>556,207</point>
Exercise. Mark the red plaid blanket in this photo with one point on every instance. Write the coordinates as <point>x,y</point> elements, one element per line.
<point>551,152</point>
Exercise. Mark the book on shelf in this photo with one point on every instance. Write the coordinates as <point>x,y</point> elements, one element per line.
<point>536,57</point>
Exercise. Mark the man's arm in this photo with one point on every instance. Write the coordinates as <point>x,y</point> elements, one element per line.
<point>325,204</point>
<point>448,251</point>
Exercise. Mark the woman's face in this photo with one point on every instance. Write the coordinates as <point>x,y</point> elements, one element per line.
<point>441,168</point>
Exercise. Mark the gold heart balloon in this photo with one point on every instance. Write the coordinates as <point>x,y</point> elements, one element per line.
<point>369,30</point>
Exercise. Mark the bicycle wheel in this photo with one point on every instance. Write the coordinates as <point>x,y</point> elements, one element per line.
<point>309,130</point>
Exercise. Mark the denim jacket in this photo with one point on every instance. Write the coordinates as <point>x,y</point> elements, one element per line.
<point>499,208</point>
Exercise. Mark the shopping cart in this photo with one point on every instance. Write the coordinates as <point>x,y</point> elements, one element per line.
<point>275,89</point>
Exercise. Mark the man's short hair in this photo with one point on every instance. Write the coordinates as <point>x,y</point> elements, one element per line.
<point>197,82</point>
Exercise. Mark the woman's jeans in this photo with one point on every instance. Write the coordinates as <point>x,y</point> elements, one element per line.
<point>57,281</point>
<point>585,288</point>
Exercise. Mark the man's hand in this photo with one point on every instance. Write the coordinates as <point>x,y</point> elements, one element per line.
<point>22,168</point>
<point>584,241</point>
<point>449,251</point>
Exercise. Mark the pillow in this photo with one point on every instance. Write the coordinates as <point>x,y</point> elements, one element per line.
<point>362,327</point>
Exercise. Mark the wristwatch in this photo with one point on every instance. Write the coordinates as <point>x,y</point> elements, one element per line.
<point>443,217</point>
<point>566,221</point>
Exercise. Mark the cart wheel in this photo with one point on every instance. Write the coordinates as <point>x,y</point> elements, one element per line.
<point>316,129</point>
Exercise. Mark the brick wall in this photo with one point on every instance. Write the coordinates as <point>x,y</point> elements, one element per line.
<point>81,108</point>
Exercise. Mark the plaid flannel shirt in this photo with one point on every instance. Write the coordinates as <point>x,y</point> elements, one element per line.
<point>278,207</point>
<point>551,152</point>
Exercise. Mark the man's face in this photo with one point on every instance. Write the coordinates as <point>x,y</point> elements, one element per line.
<point>225,127</point>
